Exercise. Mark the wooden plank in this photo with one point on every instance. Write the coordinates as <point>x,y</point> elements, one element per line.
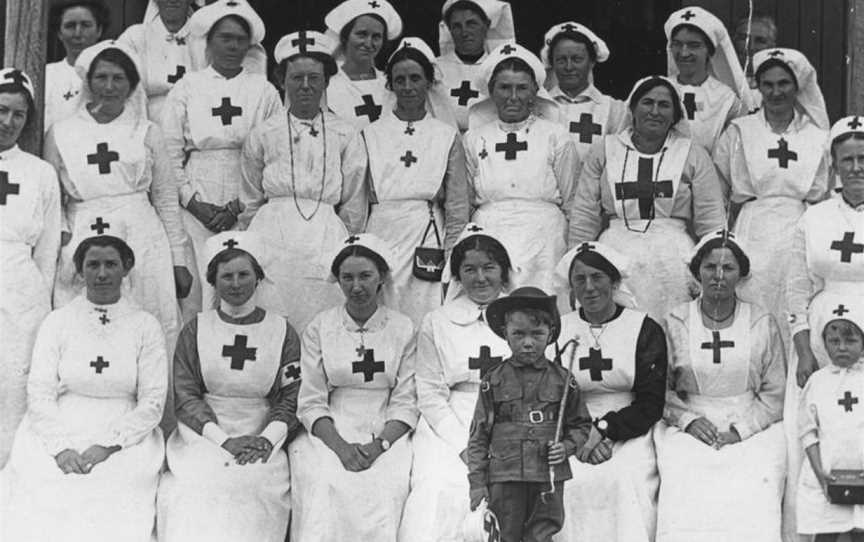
<point>855,74</point>
<point>831,65</point>
<point>24,48</point>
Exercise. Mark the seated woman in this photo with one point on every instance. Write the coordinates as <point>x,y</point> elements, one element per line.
<point>654,184</point>
<point>350,473</point>
<point>721,451</point>
<point>236,377</point>
<point>621,371</point>
<point>454,346</point>
<point>86,459</point>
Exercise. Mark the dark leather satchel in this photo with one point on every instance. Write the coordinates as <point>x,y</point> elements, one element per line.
<point>847,487</point>
<point>429,261</point>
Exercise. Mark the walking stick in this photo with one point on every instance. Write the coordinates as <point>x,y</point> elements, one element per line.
<point>574,342</point>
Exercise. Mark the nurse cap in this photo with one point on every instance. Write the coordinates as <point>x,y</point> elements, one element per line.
<point>838,306</point>
<point>85,59</point>
<point>847,125</point>
<point>501,28</point>
<point>728,238</point>
<point>571,27</point>
<point>203,20</point>
<point>305,42</point>
<point>366,240</point>
<point>809,96</point>
<point>349,10</point>
<point>420,46</point>
<point>14,76</point>
<point>617,260</point>
<point>247,241</point>
<point>512,50</point>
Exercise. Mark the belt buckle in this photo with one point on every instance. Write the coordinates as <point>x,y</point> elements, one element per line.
<point>535,416</point>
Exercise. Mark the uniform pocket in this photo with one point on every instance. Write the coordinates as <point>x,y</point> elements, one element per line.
<point>506,457</point>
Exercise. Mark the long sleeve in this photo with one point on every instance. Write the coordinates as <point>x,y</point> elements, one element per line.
<point>808,416</point>
<point>478,441</point>
<point>47,245</point>
<point>151,393</point>
<point>251,178</point>
<point>403,397</point>
<point>282,422</point>
<point>770,362</point>
<point>577,420</point>
<point>709,210</point>
<point>567,166</point>
<point>51,154</point>
<point>471,166</point>
<point>649,386</point>
<point>189,387</point>
<point>456,206</point>
<point>43,387</point>
<point>173,122</point>
<point>433,393</point>
<point>819,188</point>
<point>163,193</point>
<point>678,378</point>
<point>728,154</point>
<point>586,208</point>
<point>800,283</point>
<point>354,203</point>
<point>313,400</point>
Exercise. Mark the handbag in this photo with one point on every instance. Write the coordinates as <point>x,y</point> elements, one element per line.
<point>429,261</point>
<point>847,487</point>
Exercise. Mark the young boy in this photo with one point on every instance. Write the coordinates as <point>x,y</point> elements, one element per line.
<point>512,446</point>
<point>832,427</point>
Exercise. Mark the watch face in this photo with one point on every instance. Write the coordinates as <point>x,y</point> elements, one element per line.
<point>385,444</point>
<point>602,425</point>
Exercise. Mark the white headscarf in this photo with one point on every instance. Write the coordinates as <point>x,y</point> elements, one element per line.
<point>437,99</point>
<point>501,29</point>
<point>570,27</point>
<point>682,127</point>
<point>809,98</point>
<point>14,75</point>
<point>369,241</point>
<point>471,229</point>
<point>203,20</point>
<point>136,102</point>
<point>349,10</point>
<point>562,287</point>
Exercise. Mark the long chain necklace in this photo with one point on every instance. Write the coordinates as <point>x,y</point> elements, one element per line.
<point>323,167</point>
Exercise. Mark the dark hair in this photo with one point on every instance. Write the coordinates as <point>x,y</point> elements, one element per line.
<point>720,242</point>
<point>846,136</point>
<point>237,19</point>
<point>693,28</point>
<point>536,317</point>
<point>597,261</point>
<point>410,53</point>
<point>845,328</point>
<point>483,243</point>
<point>647,86</point>
<point>466,5</point>
<point>330,68</point>
<point>97,8</point>
<point>127,256</point>
<point>228,255</point>
<point>578,37</point>
<point>349,26</point>
<point>18,88</point>
<point>121,59</point>
<point>515,64</point>
<point>775,63</point>
<point>361,252</point>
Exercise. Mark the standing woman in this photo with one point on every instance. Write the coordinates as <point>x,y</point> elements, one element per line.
<point>454,347</point>
<point>79,24</point>
<point>350,473</point>
<point>702,64</point>
<point>207,116</point>
<point>29,240</point>
<point>655,184</point>
<point>236,377</point>
<point>521,166</point>
<point>620,365</point>
<point>417,175</point>
<point>86,459</point>
<point>117,180</point>
<point>775,162</point>
<point>303,184</point>
<point>723,404</point>
<point>358,89</point>
<point>570,51</point>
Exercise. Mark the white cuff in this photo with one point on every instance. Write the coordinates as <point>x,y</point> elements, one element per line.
<point>809,439</point>
<point>214,433</point>
<point>186,194</point>
<point>275,432</point>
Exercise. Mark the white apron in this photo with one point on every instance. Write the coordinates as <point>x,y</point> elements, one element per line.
<point>734,493</point>
<point>706,106</point>
<point>359,102</point>
<point>206,495</point>
<point>460,83</point>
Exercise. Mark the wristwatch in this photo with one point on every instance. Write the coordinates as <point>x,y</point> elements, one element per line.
<point>383,442</point>
<point>602,426</point>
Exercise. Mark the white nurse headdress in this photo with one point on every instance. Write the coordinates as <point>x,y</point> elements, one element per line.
<point>501,29</point>
<point>809,96</point>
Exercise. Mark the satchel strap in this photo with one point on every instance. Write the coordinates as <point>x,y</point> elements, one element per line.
<point>432,225</point>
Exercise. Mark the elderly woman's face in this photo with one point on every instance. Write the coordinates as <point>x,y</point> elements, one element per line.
<point>409,84</point>
<point>78,30</point>
<point>849,163</point>
<point>778,90</point>
<point>236,281</point>
<point>469,31</point>
<point>513,93</point>
<point>229,42</point>
<point>592,288</point>
<point>360,281</point>
<point>103,272</point>
<point>305,82</point>
<point>572,64</point>
<point>481,276</point>
<point>365,40</point>
<point>719,273</point>
<point>654,113</point>
<point>13,117</point>
<point>109,84</point>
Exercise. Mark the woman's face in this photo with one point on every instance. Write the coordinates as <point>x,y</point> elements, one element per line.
<point>513,93</point>
<point>78,30</point>
<point>849,163</point>
<point>236,281</point>
<point>103,273</point>
<point>229,42</point>
<point>654,113</point>
<point>719,274</point>
<point>409,84</point>
<point>13,117</point>
<point>109,84</point>
<point>778,90</point>
<point>469,32</point>
<point>173,10</point>
<point>843,349</point>
<point>360,281</point>
<point>305,82</point>
<point>365,40</point>
<point>572,64</point>
<point>481,276</point>
<point>689,51</point>
<point>592,288</point>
